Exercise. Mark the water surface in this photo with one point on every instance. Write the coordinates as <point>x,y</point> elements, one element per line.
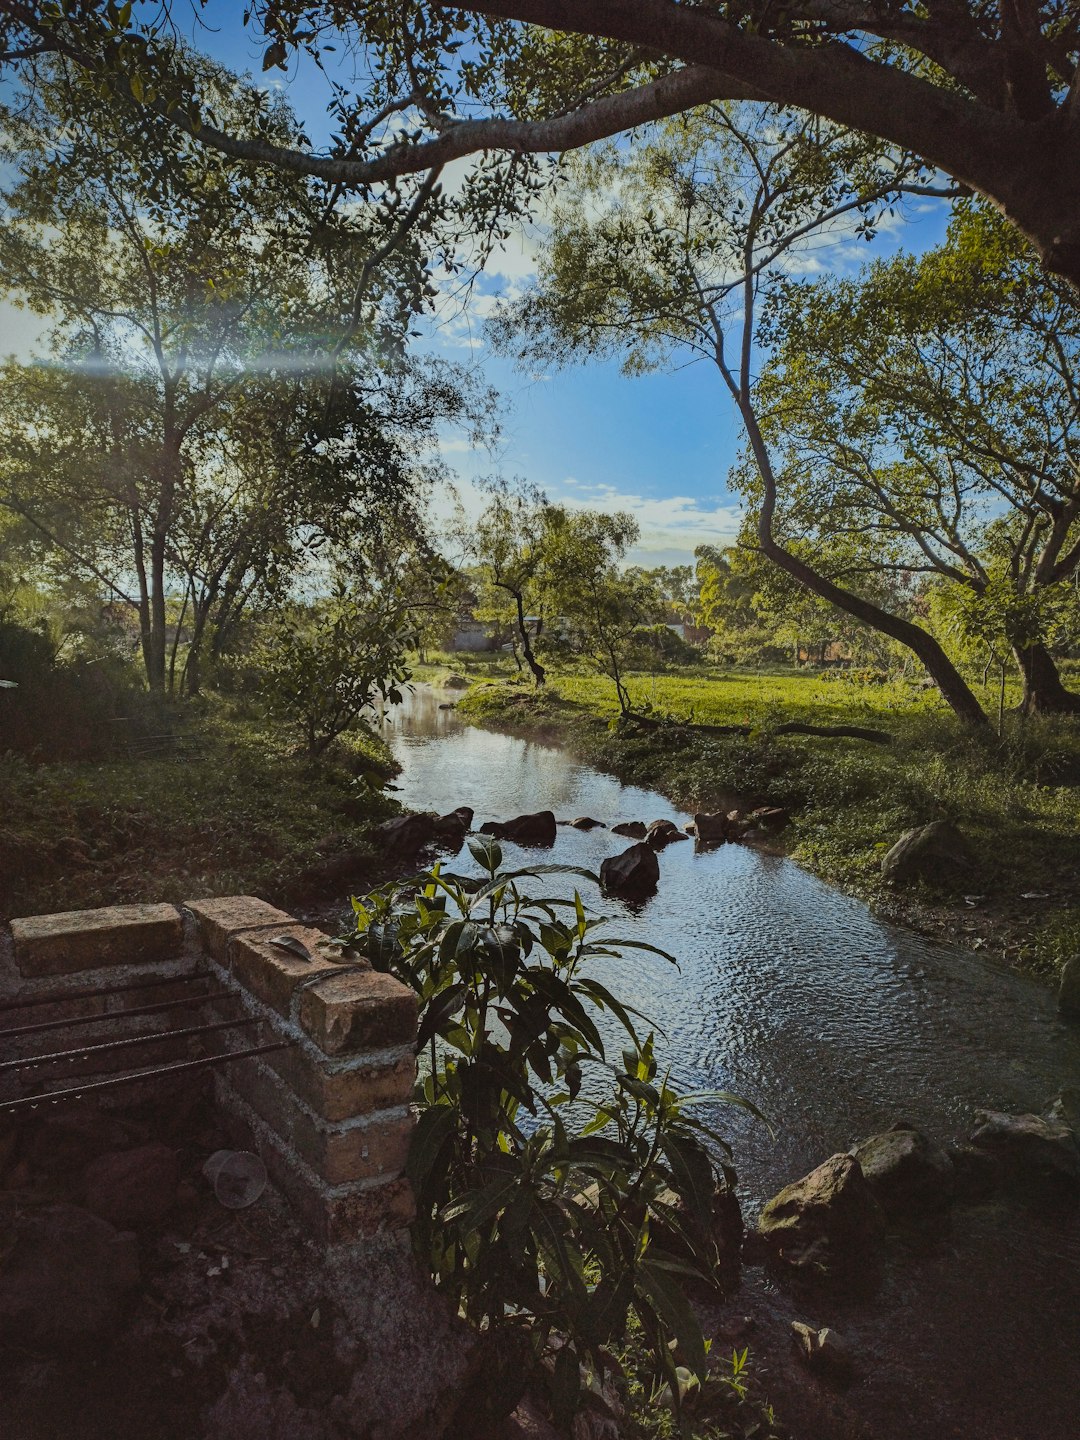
<point>835,1025</point>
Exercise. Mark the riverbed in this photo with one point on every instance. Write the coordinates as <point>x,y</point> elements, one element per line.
<point>835,1025</point>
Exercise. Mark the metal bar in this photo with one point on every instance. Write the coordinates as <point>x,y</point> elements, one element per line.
<point>96,991</point>
<point>76,1092</point>
<point>154,1038</point>
<point>117,1014</point>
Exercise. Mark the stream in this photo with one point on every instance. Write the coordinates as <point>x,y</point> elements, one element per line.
<point>835,1025</point>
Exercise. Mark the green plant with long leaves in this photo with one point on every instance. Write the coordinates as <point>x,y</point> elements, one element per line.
<point>559,1192</point>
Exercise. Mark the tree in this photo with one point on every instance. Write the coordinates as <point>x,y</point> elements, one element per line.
<point>508,542</point>
<point>223,390</point>
<point>599,606</point>
<point>986,93</point>
<point>324,663</point>
<point>668,252</point>
<point>927,422</point>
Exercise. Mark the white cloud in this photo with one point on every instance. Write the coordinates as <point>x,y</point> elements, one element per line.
<point>671,525</point>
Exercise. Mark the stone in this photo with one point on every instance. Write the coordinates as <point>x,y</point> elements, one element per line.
<point>1034,1152</point>
<point>829,1222</point>
<point>406,834</point>
<point>454,826</point>
<point>660,839</point>
<point>910,1174</point>
<point>339,1090</point>
<point>67,1141</point>
<point>271,970</point>
<point>92,939</point>
<point>64,1278</point>
<point>537,829</point>
<point>1069,988</point>
<point>769,817</point>
<point>353,1012</point>
<point>221,917</point>
<point>634,873</point>
<point>132,1188</point>
<point>631,829</point>
<point>934,851</point>
<point>976,1173</point>
<point>824,1351</point>
<point>712,829</point>
<point>586,822</point>
<point>1065,1108</point>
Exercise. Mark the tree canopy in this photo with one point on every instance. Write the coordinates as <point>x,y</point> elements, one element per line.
<point>986,93</point>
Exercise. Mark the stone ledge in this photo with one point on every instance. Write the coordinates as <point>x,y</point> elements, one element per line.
<point>359,1011</point>
<point>272,973</point>
<point>76,940</point>
<point>221,917</point>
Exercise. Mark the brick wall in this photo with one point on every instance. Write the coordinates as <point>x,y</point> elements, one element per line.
<point>330,1113</point>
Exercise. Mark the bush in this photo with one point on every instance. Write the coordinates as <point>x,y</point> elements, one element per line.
<point>659,643</point>
<point>60,710</point>
<point>559,1193</point>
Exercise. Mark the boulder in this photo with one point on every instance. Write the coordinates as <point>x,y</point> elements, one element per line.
<point>663,832</point>
<point>64,1278</point>
<point>64,1143</point>
<point>726,1231</point>
<point>454,826</point>
<point>911,1175</point>
<point>829,1222</point>
<point>538,829</point>
<point>1065,1108</point>
<point>133,1188</point>
<point>1034,1152</point>
<point>769,817</point>
<point>936,851</point>
<point>976,1173</point>
<point>631,829</point>
<point>633,874</point>
<point>406,834</point>
<point>1069,988</point>
<point>585,822</point>
<point>824,1352</point>
<point>712,829</point>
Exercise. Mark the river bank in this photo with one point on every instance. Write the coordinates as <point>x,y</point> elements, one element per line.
<point>848,800</point>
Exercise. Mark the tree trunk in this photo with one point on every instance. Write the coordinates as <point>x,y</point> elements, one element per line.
<point>539,674</point>
<point>1044,694</point>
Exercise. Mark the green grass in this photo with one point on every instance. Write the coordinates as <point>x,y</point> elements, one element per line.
<point>234,809</point>
<point>1016,796</point>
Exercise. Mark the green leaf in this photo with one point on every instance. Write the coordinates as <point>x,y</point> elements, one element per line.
<point>692,1173</point>
<point>434,1127</point>
<point>664,1293</point>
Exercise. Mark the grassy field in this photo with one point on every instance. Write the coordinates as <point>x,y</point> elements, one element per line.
<point>1016,797</point>
<point>227,807</point>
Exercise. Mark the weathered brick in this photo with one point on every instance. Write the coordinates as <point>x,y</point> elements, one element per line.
<point>270,971</point>
<point>335,1215</point>
<point>339,1094</point>
<point>221,917</point>
<point>91,939</point>
<point>366,1011</point>
<point>337,1154</point>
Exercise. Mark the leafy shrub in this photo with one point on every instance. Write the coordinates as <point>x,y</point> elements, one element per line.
<point>659,643</point>
<point>559,1193</point>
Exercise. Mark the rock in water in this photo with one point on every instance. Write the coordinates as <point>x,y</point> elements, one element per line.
<point>65,1277</point>
<point>406,834</point>
<point>937,851</point>
<point>712,829</point>
<point>455,826</point>
<point>631,829</point>
<point>663,832</point>
<point>633,874</point>
<point>538,829</point>
<point>911,1175</point>
<point>827,1223</point>
<point>1035,1152</point>
<point>586,822</point>
<point>825,1352</point>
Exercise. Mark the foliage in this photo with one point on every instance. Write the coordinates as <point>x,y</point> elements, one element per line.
<point>147,823</point>
<point>323,664</point>
<point>226,389</point>
<point>662,253</point>
<point>558,1191</point>
<point>925,418</point>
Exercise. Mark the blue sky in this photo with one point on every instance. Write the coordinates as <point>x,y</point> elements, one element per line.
<point>659,445</point>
